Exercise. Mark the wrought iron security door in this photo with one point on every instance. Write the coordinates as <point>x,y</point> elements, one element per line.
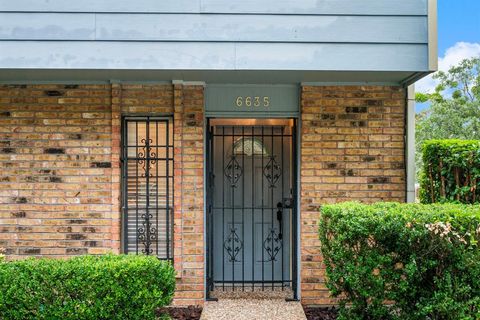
<point>147,183</point>
<point>251,212</point>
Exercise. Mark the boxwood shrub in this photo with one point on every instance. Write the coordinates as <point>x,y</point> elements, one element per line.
<point>85,287</point>
<point>403,261</point>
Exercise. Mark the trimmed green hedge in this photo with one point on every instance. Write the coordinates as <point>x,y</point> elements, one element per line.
<point>403,261</point>
<point>451,171</point>
<point>86,287</point>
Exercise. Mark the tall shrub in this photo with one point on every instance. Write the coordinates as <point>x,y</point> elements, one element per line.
<point>403,261</point>
<point>451,171</point>
<point>86,287</point>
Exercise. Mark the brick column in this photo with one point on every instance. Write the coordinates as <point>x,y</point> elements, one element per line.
<point>189,194</point>
<point>178,177</point>
<point>116,172</point>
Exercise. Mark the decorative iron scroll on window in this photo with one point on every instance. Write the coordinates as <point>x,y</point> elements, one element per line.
<point>272,172</point>
<point>272,245</point>
<point>147,185</point>
<point>233,171</point>
<point>147,157</point>
<point>233,245</point>
<point>147,233</point>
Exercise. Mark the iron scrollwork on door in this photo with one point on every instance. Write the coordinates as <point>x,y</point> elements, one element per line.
<point>233,171</point>
<point>250,220</point>
<point>272,172</point>
<point>233,245</point>
<point>272,245</point>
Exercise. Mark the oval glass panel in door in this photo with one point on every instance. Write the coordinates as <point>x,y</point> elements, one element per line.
<point>249,146</point>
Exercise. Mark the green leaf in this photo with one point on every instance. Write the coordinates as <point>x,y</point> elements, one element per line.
<point>86,287</point>
<point>400,253</point>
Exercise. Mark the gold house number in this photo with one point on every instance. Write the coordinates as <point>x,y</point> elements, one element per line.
<point>252,101</point>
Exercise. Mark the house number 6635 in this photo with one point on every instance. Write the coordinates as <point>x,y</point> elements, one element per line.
<point>252,101</point>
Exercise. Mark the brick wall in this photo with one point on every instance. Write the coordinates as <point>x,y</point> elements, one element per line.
<point>60,167</point>
<point>60,171</point>
<point>352,149</point>
<point>55,170</point>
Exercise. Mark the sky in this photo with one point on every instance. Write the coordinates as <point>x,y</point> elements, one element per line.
<point>458,37</point>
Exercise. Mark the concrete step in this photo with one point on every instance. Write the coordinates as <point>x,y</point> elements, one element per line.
<point>252,309</point>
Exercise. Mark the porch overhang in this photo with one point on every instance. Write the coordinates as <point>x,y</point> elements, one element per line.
<point>38,75</point>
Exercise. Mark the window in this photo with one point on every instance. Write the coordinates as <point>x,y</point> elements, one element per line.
<point>249,146</point>
<point>147,185</point>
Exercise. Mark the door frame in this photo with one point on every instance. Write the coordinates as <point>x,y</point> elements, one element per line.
<point>295,245</point>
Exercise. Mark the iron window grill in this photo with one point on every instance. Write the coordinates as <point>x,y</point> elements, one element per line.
<point>147,186</point>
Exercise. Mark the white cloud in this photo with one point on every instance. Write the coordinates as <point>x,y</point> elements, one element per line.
<point>453,55</point>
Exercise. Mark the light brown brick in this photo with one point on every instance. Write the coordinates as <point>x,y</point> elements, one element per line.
<point>358,167</point>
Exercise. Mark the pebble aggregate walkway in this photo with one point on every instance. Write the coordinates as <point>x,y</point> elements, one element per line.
<point>252,309</point>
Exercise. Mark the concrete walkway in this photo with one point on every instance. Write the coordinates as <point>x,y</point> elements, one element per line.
<point>252,309</point>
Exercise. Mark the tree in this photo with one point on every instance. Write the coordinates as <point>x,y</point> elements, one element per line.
<point>454,111</point>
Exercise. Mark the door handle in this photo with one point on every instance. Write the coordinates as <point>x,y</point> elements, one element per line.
<point>280,219</point>
<point>288,203</point>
